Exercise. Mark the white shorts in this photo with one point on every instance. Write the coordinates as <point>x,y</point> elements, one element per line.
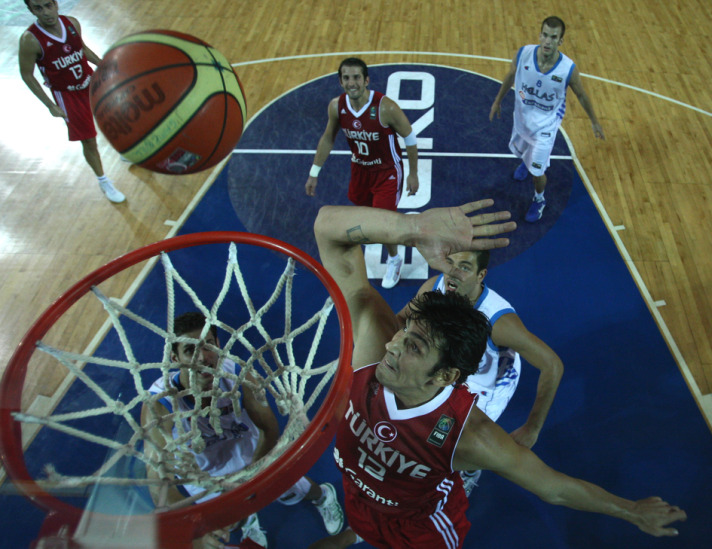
<point>535,153</point>
<point>493,401</point>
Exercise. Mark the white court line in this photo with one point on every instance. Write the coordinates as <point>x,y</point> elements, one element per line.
<point>421,154</point>
<point>704,402</point>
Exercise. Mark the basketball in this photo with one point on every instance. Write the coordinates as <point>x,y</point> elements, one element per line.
<point>168,102</point>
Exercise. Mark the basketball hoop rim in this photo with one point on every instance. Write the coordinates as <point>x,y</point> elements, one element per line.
<point>222,510</point>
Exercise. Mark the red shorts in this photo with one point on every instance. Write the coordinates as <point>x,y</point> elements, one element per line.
<point>445,529</point>
<point>80,121</point>
<point>376,188</point>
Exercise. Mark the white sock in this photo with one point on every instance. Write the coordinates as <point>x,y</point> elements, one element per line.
<point>539,196</point>
<point>102,178</point>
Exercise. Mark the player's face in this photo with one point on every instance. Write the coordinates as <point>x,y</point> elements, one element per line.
<point>410,357</point>
<point>550,39</point>
<point>189,355</point>
<point>46,11</point>
<point>353,82</point>
<point>463,277</point>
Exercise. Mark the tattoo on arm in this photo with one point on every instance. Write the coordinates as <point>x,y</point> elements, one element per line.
<point>355,235</point>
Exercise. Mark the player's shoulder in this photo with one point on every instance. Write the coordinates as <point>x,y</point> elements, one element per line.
<point>73,20</point>
<point>29,42</point>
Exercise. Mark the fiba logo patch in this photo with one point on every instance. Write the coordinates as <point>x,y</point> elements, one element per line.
<point>385,432</point>
<point>441,430</point>
<point>357,124</point>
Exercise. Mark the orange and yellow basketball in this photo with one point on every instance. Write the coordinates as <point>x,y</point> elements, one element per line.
<point>168,101</point>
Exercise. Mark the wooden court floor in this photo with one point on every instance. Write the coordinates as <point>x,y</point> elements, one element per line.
<point>645,64</point>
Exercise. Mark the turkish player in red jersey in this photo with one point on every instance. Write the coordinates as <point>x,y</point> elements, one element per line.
<point>54,43</point>
<point>370,122</point>
<point>410,425</point>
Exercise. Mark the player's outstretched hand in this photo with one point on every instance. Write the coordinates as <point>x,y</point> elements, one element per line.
<point>445,231</point>
<point>652,515</point>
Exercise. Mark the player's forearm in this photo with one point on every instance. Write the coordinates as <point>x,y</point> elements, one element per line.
<point>584,496</point>
<point>36,88</point>
<point>506,86</point>
<point>323,149</point>
<point>91,56</point>
<point>547,386</point>
<point>588,107</point>
<point>412,153</point>
<point>356,225</point>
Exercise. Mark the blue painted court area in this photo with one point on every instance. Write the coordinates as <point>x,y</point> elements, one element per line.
<point>623,417</point>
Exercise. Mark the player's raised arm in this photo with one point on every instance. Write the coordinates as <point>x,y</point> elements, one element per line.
<point>436,233</point>
<point>485,445</point>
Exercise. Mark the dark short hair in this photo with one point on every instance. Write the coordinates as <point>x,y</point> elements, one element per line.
<point>458,330</point>
<point>189,322</point>
<point>555,23</point>
<point>27,3</point>
<point>353,62</point>
<point>483,257</point>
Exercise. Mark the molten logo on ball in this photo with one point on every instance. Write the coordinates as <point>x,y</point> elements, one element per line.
<point>119,117</point>
<point>168,102</point>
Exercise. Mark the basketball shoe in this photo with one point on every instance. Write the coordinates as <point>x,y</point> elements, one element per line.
<point>521,173</point>
<point>393,268</point>
<point>111,192</point>
<point>470,480</point>
<point>535,210</point>
<point>330,509</point>
<point>251,530</point>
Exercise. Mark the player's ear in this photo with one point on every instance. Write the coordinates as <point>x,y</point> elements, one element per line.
<point>446,376</point>
<point>481,275</point>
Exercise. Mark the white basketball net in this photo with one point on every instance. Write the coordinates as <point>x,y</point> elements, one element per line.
<point>272,364</point>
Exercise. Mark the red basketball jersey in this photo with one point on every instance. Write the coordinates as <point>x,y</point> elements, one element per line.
<point>373,145</point>
<point>399,462</point>
<point>62,63</point>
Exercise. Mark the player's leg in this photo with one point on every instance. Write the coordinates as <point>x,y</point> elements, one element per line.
<point>518,145</point>
<point>80,126</point>
<point>493,403</point>
<point>324,498</point>
<point>540,155</point>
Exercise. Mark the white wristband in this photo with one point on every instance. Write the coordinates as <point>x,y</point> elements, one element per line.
<point>411,140</point>
<point>314,171</point>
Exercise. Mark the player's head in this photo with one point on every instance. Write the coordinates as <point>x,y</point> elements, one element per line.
<point>551,35</point>
<point>189,354</point>
<point>44,10</point>
<point>353,62</point>
<point>554,22</point>
<point>442,343</point>
<point>467,271</point>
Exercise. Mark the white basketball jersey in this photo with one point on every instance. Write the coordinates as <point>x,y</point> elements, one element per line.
<point>229,452</point>
<point>540,98</point>
<point>499,366</point>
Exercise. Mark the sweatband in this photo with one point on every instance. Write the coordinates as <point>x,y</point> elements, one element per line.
<point>411,140</point>
<point>314,171</point>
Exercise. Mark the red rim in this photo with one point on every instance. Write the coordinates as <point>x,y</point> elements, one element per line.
<point>195,520</point>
